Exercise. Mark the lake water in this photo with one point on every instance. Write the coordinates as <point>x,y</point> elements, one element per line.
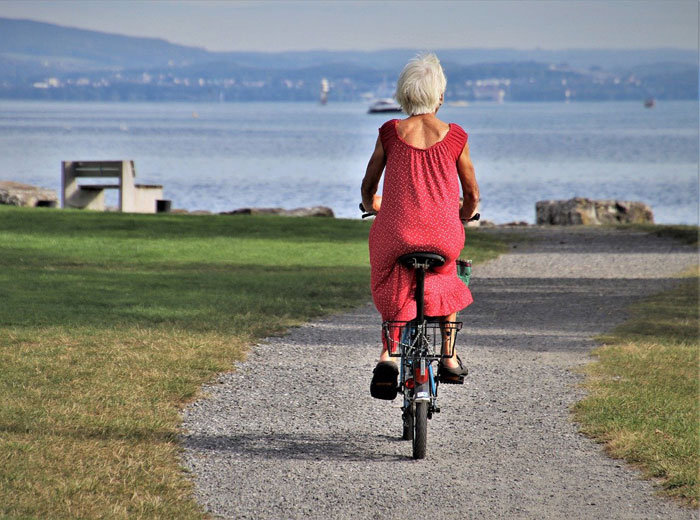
<point>220,157</point>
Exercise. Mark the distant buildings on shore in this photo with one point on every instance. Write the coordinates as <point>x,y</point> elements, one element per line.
<point>497,83</point>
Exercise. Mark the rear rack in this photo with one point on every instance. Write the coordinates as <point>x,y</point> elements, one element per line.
<point>414,341</point>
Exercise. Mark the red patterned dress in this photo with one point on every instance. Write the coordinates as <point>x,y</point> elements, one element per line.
<point>419,212</point>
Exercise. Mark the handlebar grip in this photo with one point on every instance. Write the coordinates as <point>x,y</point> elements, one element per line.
<point>366,213</point>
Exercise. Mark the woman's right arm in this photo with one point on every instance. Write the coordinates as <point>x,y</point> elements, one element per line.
<point>370,183</point>
<point>470,189</point>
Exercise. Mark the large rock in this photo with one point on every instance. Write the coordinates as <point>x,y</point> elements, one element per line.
<point>587,212</point>
<point>17,194</point>
<point>315,211</point>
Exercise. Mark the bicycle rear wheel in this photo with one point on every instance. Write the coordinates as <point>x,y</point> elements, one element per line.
<point>420,430</point>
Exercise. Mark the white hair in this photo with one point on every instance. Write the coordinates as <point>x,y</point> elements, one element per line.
<point>420,85</point>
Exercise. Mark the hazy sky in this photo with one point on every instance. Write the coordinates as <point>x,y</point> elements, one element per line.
<point>368,25</point>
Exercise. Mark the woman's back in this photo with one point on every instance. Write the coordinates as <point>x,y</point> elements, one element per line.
<point>422,132</point>
<point>421,185</point>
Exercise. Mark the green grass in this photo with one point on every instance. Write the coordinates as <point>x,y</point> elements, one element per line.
<point>110,323</point>
<point>644,391</point>
<point>685,234</point>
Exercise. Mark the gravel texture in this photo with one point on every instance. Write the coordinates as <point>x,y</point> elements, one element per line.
<point>293,432</point>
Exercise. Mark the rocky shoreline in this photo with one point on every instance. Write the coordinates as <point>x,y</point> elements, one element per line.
<point>578,211</point>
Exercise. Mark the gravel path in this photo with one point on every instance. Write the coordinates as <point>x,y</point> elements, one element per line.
<point>293,432</point>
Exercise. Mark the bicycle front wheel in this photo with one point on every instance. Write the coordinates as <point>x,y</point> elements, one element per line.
<point>420,429</point>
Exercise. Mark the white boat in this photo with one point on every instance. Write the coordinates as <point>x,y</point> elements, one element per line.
<point>325,88</point>
<point>383,106</point>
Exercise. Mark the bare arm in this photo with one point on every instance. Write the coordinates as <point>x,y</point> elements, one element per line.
<point>470,189</point>
<point>370,183</point>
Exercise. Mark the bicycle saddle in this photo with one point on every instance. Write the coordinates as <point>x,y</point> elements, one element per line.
<point>431,259</point>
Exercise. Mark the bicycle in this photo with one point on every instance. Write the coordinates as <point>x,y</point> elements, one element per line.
<point>420,343</point>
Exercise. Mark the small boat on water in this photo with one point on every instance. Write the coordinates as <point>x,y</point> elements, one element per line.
<point>325,88</point>
<point>649,102</point>
<point>385,105</point>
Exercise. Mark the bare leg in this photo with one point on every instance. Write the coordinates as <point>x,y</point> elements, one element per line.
<point>448,342</point>
<point>385,355</point>
<point>394,333</point>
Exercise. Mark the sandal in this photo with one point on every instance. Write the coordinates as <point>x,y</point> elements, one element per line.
<point>385,381</point>
<point>451,375</point>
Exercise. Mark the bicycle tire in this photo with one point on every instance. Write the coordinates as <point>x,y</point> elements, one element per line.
<point>420,430</point>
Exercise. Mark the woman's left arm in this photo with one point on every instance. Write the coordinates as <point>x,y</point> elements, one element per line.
<point>370,183</point>
<point>470,189</point>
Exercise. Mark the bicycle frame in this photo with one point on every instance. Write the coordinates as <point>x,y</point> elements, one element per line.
<point>418,347</point>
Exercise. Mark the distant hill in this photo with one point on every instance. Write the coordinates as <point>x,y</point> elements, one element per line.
<point>47,61</point>
<point>78,49</point>
<point>394,59</point>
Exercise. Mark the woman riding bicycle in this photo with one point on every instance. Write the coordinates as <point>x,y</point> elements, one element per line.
<point>426,160</point>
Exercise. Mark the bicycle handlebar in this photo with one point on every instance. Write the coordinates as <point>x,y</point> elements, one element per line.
<point>365,214</point>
